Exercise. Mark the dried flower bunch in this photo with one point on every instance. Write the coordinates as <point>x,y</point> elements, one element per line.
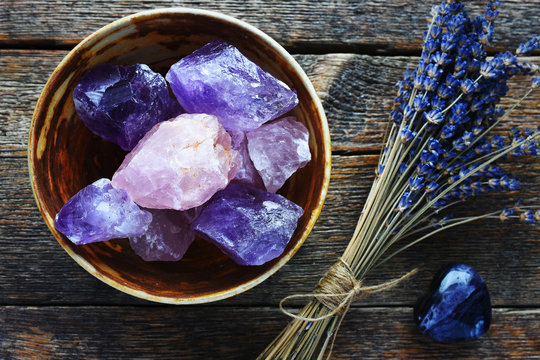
<point>440,152</point>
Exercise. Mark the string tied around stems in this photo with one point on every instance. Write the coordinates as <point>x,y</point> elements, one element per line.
<point>337,290</point>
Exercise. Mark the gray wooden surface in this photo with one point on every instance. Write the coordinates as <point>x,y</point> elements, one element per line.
<point>353,52</point>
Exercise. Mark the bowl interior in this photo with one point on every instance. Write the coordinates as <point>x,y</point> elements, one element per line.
<point>65,156</point>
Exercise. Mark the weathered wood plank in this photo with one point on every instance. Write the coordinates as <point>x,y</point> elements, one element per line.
<point>364,26</point>
<point>237,333</point>
<point>35,270</point>
<point>357,93</point>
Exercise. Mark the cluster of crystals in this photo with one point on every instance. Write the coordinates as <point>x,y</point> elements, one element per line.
<point>445,108</point>
<point>186,171</point>
<point>457,308</point>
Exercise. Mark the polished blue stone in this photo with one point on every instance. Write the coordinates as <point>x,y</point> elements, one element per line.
<point>457,308</point>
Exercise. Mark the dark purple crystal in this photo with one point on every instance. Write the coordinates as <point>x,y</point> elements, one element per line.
<point>219,80</point>
<point>249,225</point>
<point>100,212</point>
<point>458,307</point>
<point>121,103</point>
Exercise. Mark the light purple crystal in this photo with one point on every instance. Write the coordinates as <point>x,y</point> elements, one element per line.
<point>218,79</point>
<point>278,149</point>
<point>99,212</point>
<point>249,225</point>
<point>121,103</point>
<point>247,174</point>
<point>167,239</point>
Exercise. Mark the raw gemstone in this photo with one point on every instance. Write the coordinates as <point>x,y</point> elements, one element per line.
<point>457,308</point>
<point>218,79</point>
<point>99,212</point>
<point>179,164</point>
<point>121,103</point>
<point>249,225</point>
<point>278,149</point>
<point>167,239</point>
<point>247,174</point>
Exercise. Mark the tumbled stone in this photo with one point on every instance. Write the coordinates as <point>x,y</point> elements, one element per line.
<point>218,79</point>
<point>121,103</point>
<point>249,225</point>
<point>179,164</point>
<point>100,212</point>
<point>167,239</point>
<point>278,149</point>
<point>458,307</point>
<point>247,174</point>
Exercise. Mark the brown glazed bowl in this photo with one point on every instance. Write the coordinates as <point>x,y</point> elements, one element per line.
<point>64,156</point>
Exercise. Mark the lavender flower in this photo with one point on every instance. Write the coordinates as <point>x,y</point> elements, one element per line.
<point>440,152</point>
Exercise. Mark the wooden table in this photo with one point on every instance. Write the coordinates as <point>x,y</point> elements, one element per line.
<point>354,51</point>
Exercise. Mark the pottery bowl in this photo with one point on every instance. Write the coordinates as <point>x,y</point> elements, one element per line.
<point>64,156</point>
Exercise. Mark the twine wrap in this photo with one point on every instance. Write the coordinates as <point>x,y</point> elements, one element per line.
<point>338,288</point>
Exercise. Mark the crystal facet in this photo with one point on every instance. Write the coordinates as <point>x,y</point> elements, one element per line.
<point>218,79</point>
<point>278,149</point>
<point>99,212</point>
<point>247,174</point>
<point>179,164</point>
<point>121,103</point>
<point>249,225</point>
<point>167,239</point>
<point>458,307</point>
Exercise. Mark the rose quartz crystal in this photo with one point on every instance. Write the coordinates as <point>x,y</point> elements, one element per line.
<point>179,163</point>
<point>278,149</point>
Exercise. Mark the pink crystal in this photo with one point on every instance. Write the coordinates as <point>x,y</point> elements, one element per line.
<point>179,164</point>
<point>247,174</point>
<point>167,239</point>
<point>278,149</point>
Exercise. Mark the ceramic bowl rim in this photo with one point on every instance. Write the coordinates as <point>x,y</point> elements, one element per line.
<point>325,133</point>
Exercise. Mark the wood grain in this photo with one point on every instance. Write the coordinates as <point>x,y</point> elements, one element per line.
<point>356,90</point>
<point>36,270</point>
<point>362,26</point>
<point>192,333</point>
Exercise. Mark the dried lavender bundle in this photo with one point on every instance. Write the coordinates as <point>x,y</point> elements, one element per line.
<point>439,152</point>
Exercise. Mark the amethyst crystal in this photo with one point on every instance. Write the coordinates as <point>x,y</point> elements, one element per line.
<point>458,307</point>
<point>278,149</point>
<point>247,174</point>
<point>249,225</point>
<point>217,79</point>
<point>167,239</point>
<point>121,103</point>
<point>99,212</point>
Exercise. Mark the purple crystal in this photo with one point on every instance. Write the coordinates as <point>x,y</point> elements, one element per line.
<point>249,225</point>
<point>121,103</point>
<point>247,174</point>
<point>278,149</point>
<point>167,239</point>
<point>99,212</point>
<point>217,79</point>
